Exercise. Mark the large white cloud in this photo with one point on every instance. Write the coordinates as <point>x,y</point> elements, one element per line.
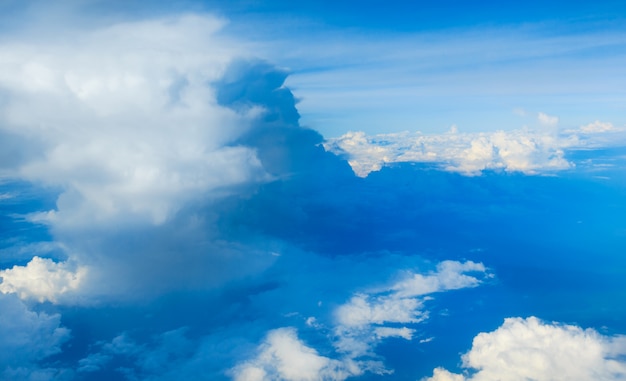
<point>529,349</point>
<point>42,279</point>
<point>123,120</point>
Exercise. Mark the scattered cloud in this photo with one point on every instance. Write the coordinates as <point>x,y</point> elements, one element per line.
<point>530,349</point>
<point>359,326</point>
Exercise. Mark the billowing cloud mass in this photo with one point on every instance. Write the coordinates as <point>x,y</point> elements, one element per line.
<point>125,123</point>
<point>27,337</point>
<point>131,126</point>
<point>530,349</point>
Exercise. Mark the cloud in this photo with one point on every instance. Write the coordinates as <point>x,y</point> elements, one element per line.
<point>357,328</point>
<point>597,127</point>
<point>547,120</point>
<point>530,349</point>
<point>128,126</point>
<point>524,150</point>
<point>42,279</point>
<point>26,337</point>
<point>283,356</point>
<point>365,318</point>
<point>144,127</point>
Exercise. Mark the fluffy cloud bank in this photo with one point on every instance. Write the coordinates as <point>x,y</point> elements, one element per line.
<point>529,349</point>
<point>524,150</point>
<point>359,326</point>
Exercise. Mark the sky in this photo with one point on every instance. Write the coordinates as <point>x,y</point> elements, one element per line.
<point>262,190</point>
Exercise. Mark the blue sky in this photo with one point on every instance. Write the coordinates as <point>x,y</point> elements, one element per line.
<point>312,191</point>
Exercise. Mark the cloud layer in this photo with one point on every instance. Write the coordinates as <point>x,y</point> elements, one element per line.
<point>524,150</point>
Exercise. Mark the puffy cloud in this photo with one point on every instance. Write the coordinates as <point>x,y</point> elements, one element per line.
<point>283,356</point>
<point>469,153</point>
<point>524,150</point>
<point>127,124</point>
<point>529,349</point>
<point>27,337</point>
<point>42,279</point>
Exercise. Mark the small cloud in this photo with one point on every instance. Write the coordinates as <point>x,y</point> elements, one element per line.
<point>547,120</point>
<point>42,279</point>
<point>597,127</point>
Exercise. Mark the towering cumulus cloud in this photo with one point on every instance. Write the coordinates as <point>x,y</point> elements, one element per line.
<point>127,125</point>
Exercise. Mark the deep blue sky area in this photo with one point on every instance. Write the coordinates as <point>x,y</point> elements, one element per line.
<point>312,190</point>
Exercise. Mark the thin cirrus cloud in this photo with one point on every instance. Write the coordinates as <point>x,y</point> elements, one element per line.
<point>388,82</point>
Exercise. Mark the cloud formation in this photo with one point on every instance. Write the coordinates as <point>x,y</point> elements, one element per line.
<point>283,356</point>
<point>126,127</point>
<point>142,127</point>
<point>530,349</point>
<point>26,337</point>
<point>42,279</point>
<point>524,150</point>
<point>358,326</point>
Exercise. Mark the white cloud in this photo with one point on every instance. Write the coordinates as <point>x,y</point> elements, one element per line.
<point>522,150</point>
<point>128,123</point>
<point>529,349</point>
<point>597,127</point>
<point>363,321</point>
<point>42,279</point>
<point>283,356</point>
<point>450,275</point>
<point>127,127</point>
<point>547,120</point>
<point>359,326</point>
